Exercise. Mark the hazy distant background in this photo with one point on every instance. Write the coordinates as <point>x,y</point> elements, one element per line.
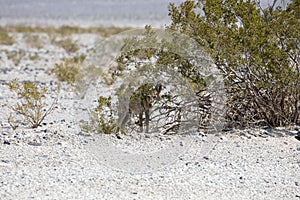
<point>89,12</point>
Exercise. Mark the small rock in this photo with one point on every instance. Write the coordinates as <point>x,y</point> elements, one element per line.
<point>6,142</point>
<point>5,161</point>
<point>223,138</point>
<point>227,129</point>
<point>34,144</point>
<point>45,137</point>
<point>118,136</point>
<point>206,158</point>
<point>19,142</point>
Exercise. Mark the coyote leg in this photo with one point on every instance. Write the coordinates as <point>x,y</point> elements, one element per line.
<point>141,122</point>
<point>147,116</point>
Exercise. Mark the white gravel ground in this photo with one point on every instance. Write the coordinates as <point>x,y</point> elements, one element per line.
<point>58,161</point>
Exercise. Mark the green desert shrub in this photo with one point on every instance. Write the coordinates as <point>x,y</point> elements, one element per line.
<point>31,103</point>
<point>68,69</point>
<point>172,59</point>
<point>256,48</point>
<point>102,118</point>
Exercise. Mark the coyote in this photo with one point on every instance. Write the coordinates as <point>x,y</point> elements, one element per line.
<point>141,101</point>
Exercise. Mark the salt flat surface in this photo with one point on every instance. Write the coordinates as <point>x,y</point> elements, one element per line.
<point>86,13</point>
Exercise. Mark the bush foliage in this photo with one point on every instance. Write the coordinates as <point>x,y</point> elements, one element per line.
<point>102,119</point>
<point>68,69</point>
<point>256,48</point>
<point>168,58</point>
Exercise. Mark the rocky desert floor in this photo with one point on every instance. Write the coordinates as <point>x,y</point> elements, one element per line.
<point>59,161</point>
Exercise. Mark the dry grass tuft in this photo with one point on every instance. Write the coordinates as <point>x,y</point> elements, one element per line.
<point>5,38</point>
<point>34,41</point>
<point>15,56</point>
<point>67,44</point>
<point>66,30</point>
